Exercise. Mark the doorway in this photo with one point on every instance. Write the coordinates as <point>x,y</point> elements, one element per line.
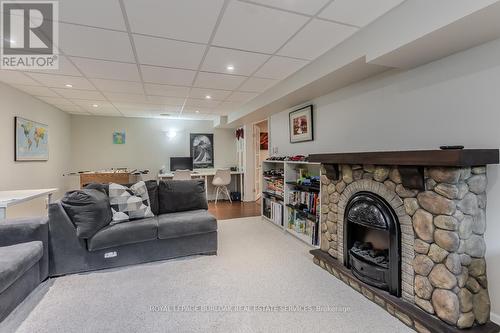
<point>261,148</point>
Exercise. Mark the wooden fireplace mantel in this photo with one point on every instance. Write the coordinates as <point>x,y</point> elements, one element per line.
<point>445,158</point>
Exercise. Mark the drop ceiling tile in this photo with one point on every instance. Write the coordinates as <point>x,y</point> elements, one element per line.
<point>103,108</point>
<point>358,12</point>
<point>96,13</point>
<point>60,81</point>
<point>125,97</point>
<point>195,110</point>
<point>245,63</point>
<point>95,43</point>
<point>106,112</point>
<point>37,91</point>
<point>89,104</point>
<point>280,67</point>
<point>55,100</point>
<point>168,53</point>
<point>229,107</point>
<point>173,101</point>
<point>310,42</point>
<point>65,68</point>
<point>190,20</point>
<point>71,109</point>
<point>201,103</point>
<point>255,84</point>
<point>256,28</point>
<point>241,96</point>
<point>181,77</point>
<point>166,90</point>
<point>118,86</point>
<point>202,93</point>
<point>16,77</point>
<point>218,81</point>
<point>101,69</point>
<point>80,94</point>
<point>309,7</point>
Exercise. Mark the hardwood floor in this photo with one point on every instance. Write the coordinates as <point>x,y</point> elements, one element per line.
<point>225,210</point>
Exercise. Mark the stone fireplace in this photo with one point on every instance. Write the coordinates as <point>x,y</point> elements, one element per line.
<point>409,230</point>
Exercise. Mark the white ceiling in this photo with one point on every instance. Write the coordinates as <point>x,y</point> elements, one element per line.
<point>151,57</point>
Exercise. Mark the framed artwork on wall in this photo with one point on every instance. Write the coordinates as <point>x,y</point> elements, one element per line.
<point>264,141</point>
<point>301,125</point>
<point>31,140</point>
<point>119,138</point>
<point>202,150</point>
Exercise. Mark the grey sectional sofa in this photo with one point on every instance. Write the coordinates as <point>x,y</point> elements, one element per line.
<point>182,226</point>
<point>33,249</point>
<point>23,260</point>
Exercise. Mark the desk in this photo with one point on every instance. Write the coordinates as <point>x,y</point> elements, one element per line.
<point>11,198</point>
<point>206,173</point>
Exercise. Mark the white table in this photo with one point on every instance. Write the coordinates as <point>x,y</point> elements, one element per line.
<point>205,173</point>
<point>11,198</point>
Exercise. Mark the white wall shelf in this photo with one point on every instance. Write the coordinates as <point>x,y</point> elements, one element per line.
<point>287,178</point>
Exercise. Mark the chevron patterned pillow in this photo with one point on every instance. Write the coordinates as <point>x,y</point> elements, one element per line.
<point>129,203</point>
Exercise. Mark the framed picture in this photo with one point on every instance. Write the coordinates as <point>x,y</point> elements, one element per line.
<point>301,125</point>
<point>264,141</point>
<point>119,138</point>
<point>202,150</point>
<point>31,140</point>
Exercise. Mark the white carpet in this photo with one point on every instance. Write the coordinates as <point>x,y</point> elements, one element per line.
<point>257,264</point>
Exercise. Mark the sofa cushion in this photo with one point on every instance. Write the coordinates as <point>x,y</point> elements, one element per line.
<point>17,259</point>
<point>152,186</point>
<point>129,203</point>
<point>124,233</point>
<point>88,209</point>
<point>181,195</point>
<point>187,223</point>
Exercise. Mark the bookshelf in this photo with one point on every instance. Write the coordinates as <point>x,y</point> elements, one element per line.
<point>299,202</point>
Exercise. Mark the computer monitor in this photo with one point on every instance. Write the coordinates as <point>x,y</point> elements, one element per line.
<point>181,163</point>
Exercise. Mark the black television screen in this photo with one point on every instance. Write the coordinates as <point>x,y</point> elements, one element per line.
<point>181,163</point>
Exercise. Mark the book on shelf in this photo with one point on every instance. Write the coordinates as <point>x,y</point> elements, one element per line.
<point>305,201</point>
<point>273,210</point>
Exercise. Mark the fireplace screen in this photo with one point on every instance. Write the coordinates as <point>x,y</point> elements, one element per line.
<point>372,242</point>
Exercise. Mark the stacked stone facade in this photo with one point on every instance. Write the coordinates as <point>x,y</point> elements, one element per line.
<point>442,235</point>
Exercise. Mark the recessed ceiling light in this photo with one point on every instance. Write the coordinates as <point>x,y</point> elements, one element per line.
<point>197,111</point>
<point>208,97</point>
<point>230,68</point>
<point>68,85</point>
<point>95,105</point>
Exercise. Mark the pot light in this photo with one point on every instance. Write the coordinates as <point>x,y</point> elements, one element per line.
<point>95,105</point>
<point>68,85</point>
<point>208,97</point>
<point>197,111</point>
<point>230,68</point>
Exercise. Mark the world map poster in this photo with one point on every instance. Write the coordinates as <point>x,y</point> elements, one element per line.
<point>32,140</point>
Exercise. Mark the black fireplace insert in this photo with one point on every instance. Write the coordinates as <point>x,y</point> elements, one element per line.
<point>372,242</point>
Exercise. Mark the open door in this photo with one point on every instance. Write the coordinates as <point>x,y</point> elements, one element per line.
<point>261,147</point>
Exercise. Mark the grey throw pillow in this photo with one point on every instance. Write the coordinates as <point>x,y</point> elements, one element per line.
<point>88,210</point>
<point>129,203</point>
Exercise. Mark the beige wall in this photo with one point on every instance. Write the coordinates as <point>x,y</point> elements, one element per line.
<point>29,175</point>
<point>147,145</point>
<point>453,101</point>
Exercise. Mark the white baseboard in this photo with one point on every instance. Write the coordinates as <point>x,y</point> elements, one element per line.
<point>495,318</point>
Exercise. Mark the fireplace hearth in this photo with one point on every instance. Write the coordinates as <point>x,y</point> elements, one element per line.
<point>406,229</point>
<point>372,242</point>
